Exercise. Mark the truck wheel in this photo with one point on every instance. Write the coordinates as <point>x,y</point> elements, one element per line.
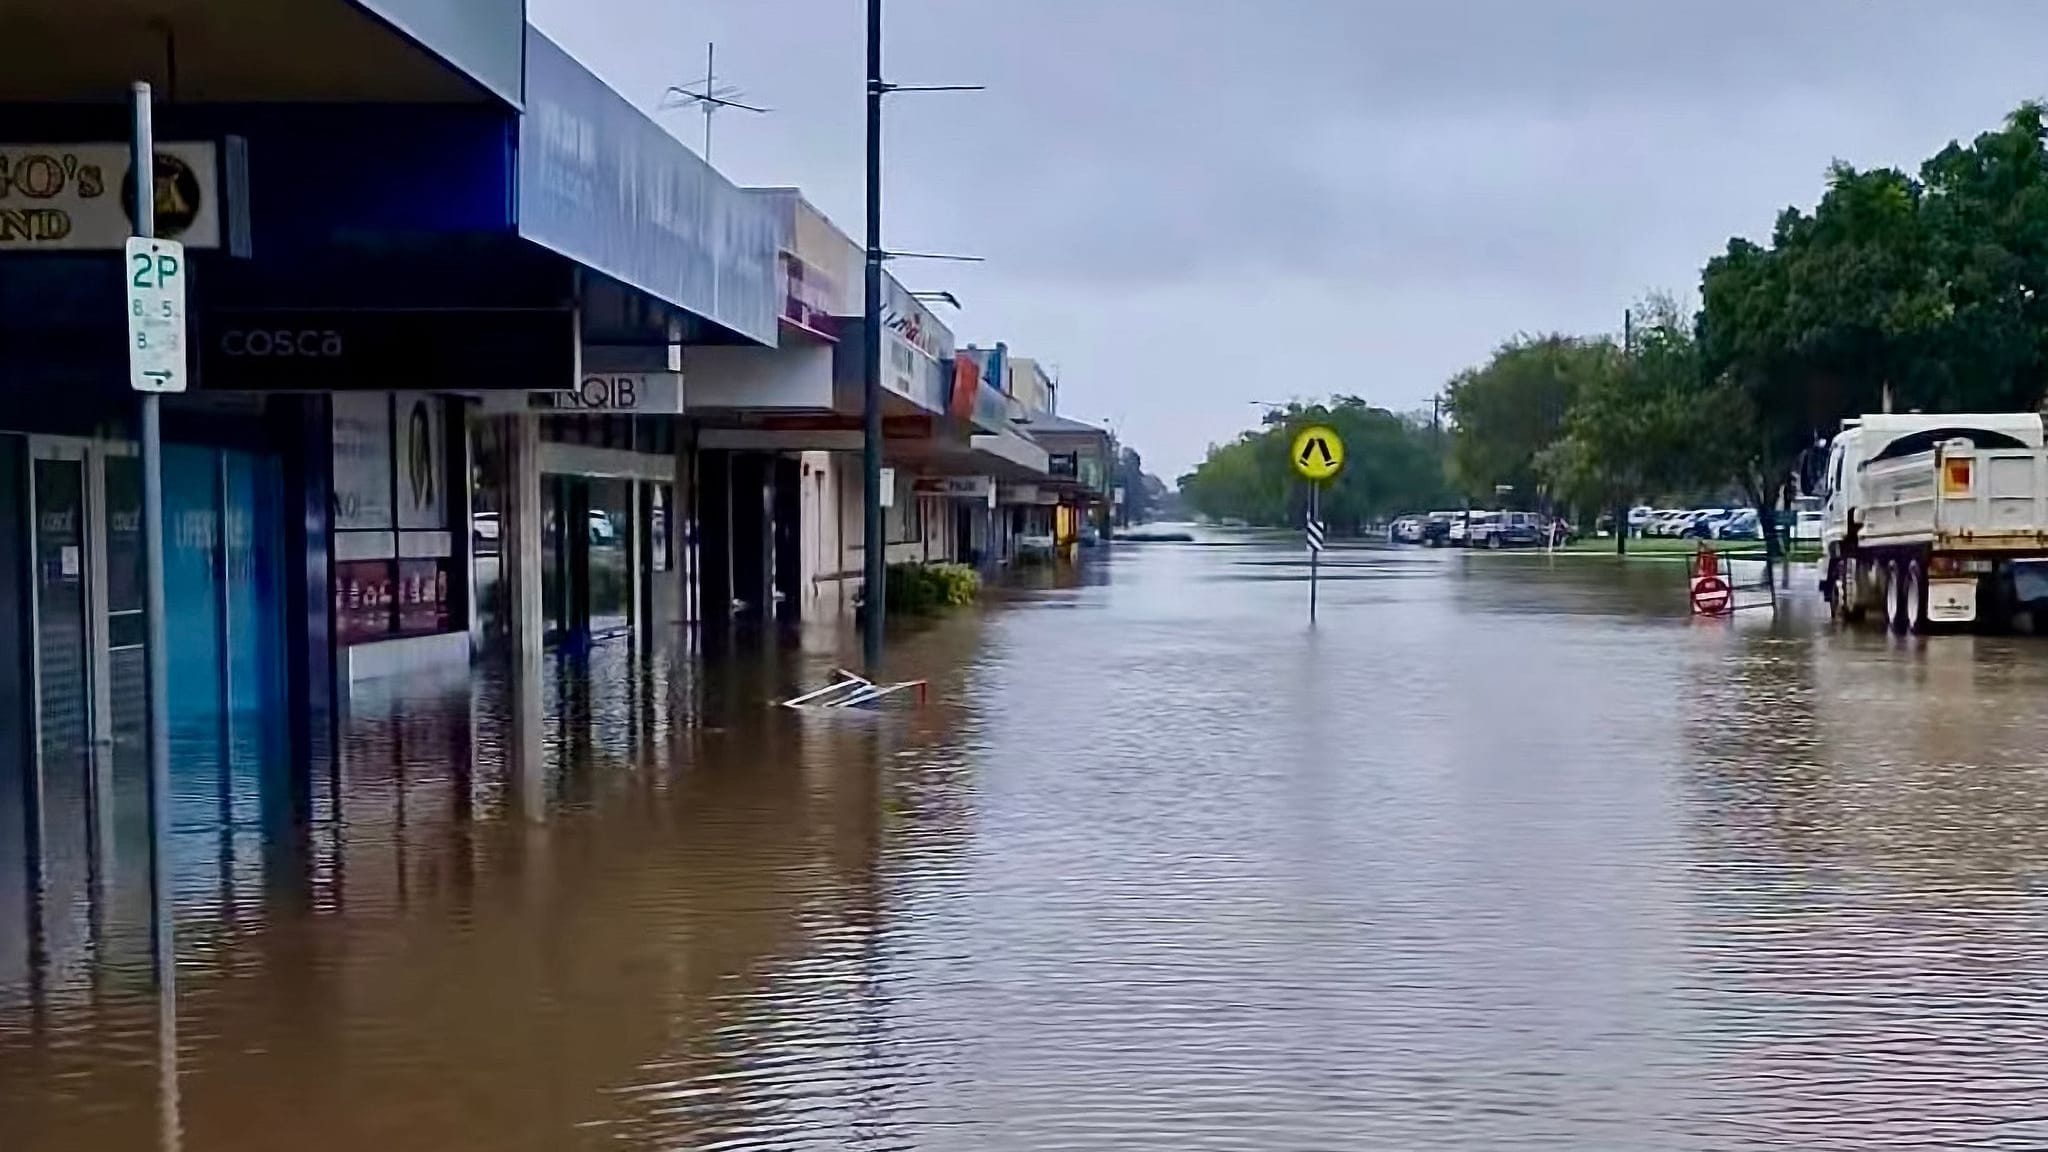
<point>1846,590</point>
<point>1895,597</point>
<point>1914,590</point>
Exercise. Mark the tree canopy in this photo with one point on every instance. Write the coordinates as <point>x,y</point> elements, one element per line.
<point>1392,464</point>
<point>1919,290</point>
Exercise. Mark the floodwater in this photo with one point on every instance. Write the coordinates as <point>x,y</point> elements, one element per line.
<point>1507,853</point>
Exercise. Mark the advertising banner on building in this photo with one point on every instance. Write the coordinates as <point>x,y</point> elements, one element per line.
<point>601,183</point>
<point>975,398</point>
<point>61,197</point>
<point>422,449</point>
<point>917,354</point>
<point>820,269</point>
<point>362,461</point>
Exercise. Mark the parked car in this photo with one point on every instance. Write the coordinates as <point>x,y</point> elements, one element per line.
<point>1406,530</point>
<point>1807,524</point>
<point>1436,529</point>
<point>1664,522</point>
<point>1517,530</point>
<point>1743,525</point>
<point>1639,518</point>
<point>1472,531</point>
<point>1699,525</point>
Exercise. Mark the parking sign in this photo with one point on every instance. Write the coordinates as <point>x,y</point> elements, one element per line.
<point>155,274</point>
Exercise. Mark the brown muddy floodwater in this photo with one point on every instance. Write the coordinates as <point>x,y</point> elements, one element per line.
<point>1507,854</point>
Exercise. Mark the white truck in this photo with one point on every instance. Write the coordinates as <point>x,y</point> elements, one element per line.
<point>1936,520</point>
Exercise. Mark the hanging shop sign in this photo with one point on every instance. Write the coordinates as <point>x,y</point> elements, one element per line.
<point>653,393</point>
<point>642,393</point>
<point>959,487</point>
<point>68,197</point>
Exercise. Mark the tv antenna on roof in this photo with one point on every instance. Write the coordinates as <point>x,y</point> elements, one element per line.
<point>707,94</point>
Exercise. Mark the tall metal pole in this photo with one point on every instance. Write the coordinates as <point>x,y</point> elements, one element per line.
<point>141,158</point>
<point>1628,352</point>
<point>163,950</point>
<point>876,562</point>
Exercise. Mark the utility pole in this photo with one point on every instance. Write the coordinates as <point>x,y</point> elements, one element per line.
<point>875,563</point>
<point>875,566</point>
<point>1628,352</point>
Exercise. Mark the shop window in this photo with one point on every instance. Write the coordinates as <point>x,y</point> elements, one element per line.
<point>392,499</point>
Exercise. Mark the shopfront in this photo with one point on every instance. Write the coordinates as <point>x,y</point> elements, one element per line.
<point>73,627</point>
<point>612,525</point>
<point>398,595</point>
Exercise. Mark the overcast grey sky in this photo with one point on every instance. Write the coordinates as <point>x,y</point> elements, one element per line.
<point>1187,205</point>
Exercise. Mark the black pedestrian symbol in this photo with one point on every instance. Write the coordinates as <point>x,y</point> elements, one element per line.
<point>1319,447</point>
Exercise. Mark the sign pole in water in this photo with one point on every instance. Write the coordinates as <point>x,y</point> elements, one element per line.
<point>1318,455</point>
<point>1315,545</point>
<point>154,273</point>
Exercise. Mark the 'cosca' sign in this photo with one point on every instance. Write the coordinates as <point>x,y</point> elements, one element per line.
<point>345,350</point>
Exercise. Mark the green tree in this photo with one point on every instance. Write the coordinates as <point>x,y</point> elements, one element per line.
<point>1391,466</point>
<point>1503,415</point>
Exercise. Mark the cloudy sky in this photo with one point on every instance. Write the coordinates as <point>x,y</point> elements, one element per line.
<point>1189,205</point>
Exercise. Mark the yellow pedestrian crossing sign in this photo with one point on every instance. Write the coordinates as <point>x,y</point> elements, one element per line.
<point>1318,454</point>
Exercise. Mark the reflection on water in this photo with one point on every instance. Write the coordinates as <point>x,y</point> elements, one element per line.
<point>1507,853</point>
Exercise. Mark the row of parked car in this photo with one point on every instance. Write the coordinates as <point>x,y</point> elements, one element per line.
<point>1533,529</point>
<point>1477,530</point>
<point>1720,523</point>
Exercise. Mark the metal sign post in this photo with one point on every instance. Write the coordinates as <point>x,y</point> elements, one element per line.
<point>1318,455</point>
<point>1315,544</point>
<point>154,273</point>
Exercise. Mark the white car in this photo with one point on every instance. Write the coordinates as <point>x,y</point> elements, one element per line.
<point>1807,524</point>
<point>1479,532</point>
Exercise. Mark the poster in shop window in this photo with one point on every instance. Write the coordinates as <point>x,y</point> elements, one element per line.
<point>422,468</point>
<point>362,460</point>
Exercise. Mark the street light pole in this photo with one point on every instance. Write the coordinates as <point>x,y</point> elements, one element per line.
<point>876,568</point>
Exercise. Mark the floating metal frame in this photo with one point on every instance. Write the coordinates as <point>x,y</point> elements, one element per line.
<point>852,690</point>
